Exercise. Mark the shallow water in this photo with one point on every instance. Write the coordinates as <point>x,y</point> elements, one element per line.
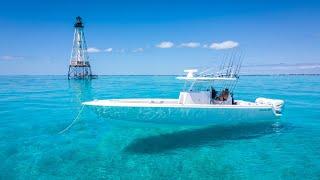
<point>33,109</point>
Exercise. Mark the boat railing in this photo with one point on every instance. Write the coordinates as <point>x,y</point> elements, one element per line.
<point>79,63</point>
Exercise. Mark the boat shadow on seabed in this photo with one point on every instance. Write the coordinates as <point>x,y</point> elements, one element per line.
<point>210,136</point>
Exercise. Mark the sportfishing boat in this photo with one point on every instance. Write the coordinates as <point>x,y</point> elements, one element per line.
<point>207,98</point>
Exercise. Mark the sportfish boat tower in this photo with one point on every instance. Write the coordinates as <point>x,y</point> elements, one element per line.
<point>207,99</point>
<point>79,67</point>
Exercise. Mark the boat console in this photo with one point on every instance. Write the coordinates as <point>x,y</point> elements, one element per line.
<point>202,97</point>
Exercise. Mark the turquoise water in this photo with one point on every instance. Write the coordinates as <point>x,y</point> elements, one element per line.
<point>33,109</point>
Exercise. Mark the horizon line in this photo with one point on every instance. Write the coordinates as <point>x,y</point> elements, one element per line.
<point>283,74</point>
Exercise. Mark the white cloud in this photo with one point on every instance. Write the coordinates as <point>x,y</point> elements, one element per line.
<point>285,65</point>
<point>190,45</point>
<point>309,66</point>
<point>93,50</point>
<point>138,50</point>
<point>9,58</point>
<point>296,66</point>
<point>165,44</point>
<point>282,68</point>
<point>121,51</point>
<point>224,45</point>
<point>108,50</point>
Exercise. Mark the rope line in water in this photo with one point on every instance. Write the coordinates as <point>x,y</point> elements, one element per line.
<point>74,121</point>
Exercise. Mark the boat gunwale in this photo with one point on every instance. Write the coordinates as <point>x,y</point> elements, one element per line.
<point>147,102</point>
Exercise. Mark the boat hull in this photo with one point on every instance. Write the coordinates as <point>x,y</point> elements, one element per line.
<point>185,115</point>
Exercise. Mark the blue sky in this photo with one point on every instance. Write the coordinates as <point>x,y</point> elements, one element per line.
<point>160,37</point>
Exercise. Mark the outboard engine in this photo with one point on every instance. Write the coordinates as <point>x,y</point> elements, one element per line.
<point>277,104</point>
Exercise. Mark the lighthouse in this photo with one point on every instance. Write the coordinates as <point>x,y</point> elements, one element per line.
<point>79,67</point>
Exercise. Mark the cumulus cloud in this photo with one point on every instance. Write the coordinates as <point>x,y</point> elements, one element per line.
<point>138,50</point>
<point>108,50</point>
<point>309,66</point>
<point>190,45</point>
<point>224,45</point>
<point>93,50</point>
<point>121,51</point>
<point>282,68</point>
<point>288,66</point>
<point>165,44</point>
<point>9,58</point>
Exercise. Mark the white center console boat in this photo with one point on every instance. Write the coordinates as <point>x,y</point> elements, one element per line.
<point>206,99</point>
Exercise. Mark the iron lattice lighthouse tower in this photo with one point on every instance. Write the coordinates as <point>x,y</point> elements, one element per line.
<point>79,67</point>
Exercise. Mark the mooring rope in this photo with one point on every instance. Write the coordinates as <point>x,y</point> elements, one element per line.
<point>72,123</point>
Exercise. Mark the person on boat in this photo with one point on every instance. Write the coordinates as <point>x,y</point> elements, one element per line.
<point>213,95</point>
<point>226,94</point>
<point>223,95</point>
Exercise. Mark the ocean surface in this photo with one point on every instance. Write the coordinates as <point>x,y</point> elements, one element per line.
<point>34,109</point>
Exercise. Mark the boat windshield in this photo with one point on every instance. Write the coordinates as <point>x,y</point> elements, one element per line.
<point>218,86</point>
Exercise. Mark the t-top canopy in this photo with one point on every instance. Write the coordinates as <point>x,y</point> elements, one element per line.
<point>206,78</point>
<point>192,77</point>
